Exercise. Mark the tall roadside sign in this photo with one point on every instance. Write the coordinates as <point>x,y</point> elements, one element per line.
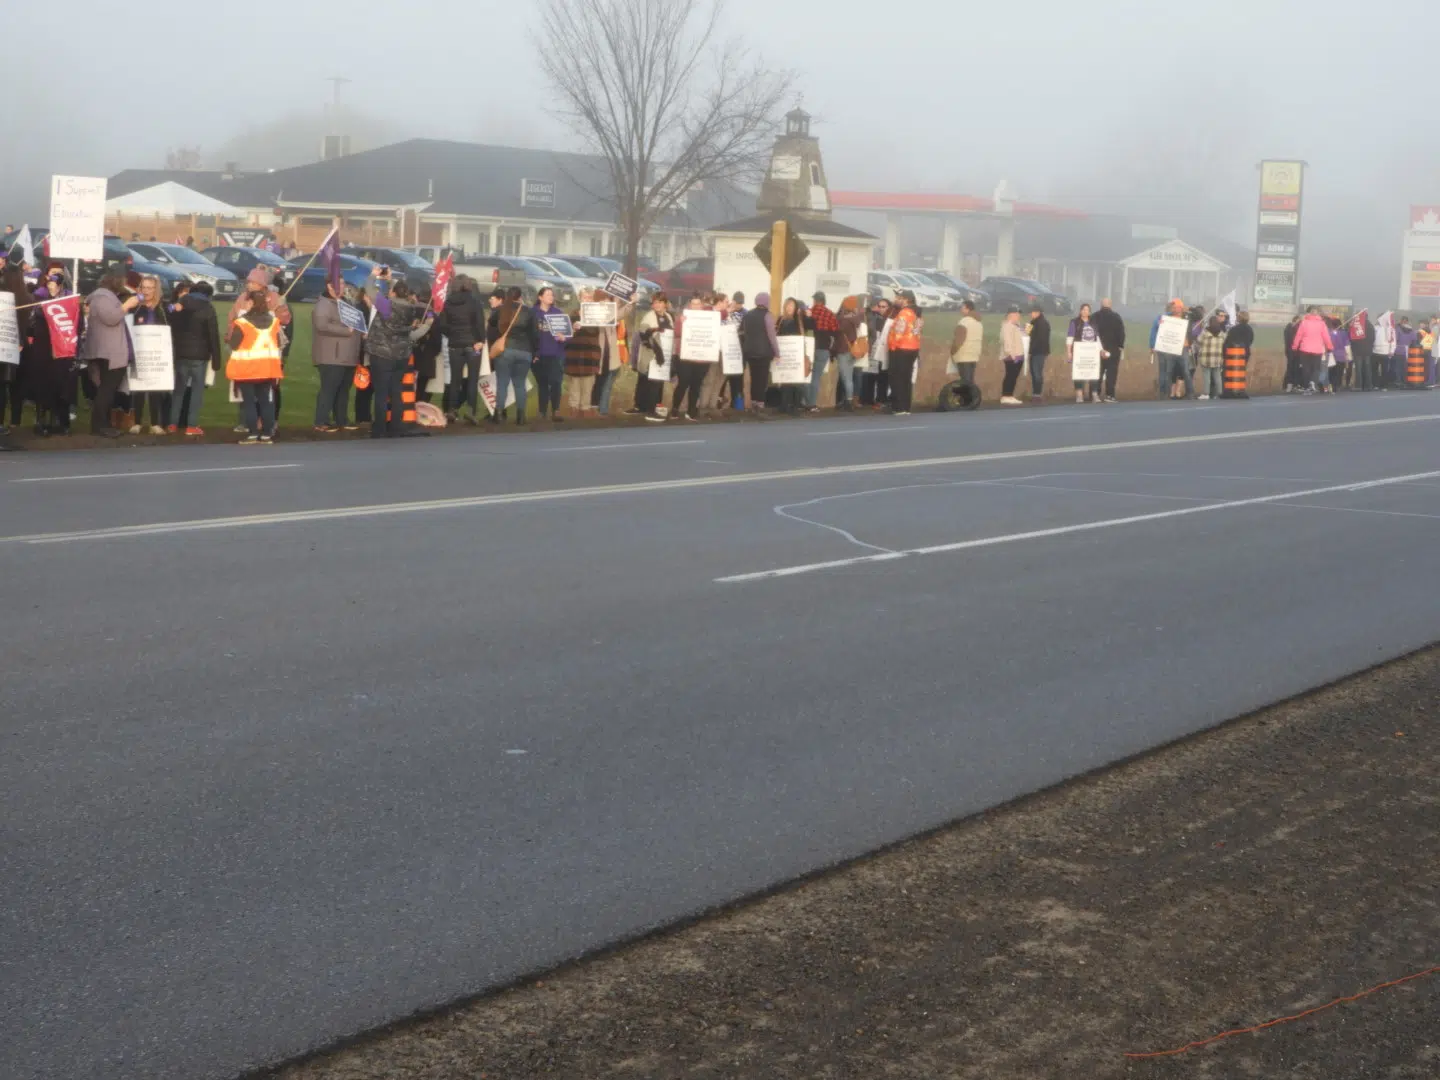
<point>1277,243</point>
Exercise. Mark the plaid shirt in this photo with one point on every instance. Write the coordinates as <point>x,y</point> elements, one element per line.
<point>824,319</point>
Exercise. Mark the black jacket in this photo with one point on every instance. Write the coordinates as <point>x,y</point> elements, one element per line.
<point>1241,336</point>
<point>1111,328</point>
<point>754,337</point>
<point>195,331</point>
<point>1040,336</point>
<point>521,333</point>
<point>462,321</point>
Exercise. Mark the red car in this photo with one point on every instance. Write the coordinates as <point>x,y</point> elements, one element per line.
<point>689,276</point>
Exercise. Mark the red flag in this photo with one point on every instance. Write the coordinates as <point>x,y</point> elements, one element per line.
<point>444,273</point>
<point>63,315</point>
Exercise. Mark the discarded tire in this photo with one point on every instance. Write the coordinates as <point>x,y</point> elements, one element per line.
<point>959,395</point>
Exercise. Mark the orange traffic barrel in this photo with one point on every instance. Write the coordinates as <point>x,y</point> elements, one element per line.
<point>1233,378</point>
<point>407,395</point>
<point>1415,368</point>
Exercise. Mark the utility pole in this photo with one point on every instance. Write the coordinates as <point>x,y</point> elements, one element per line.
<point>336,81</point>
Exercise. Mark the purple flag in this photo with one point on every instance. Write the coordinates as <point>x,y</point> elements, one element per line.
<point>329,255</point>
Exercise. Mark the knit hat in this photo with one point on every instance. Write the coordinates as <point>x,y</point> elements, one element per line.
<point>762,299</point>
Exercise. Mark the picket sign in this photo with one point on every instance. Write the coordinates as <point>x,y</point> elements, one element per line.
<point>9,330</point>
<point>598,313</point>
<point>1086,364</point>
<point>661,372</point>
<point>732,360</point>
<point>700,342</point>
<point>154,369</point>
<point>789,367</point>
<point>488,383</point>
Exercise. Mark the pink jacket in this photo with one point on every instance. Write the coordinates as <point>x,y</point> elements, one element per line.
<point>1312,336</point>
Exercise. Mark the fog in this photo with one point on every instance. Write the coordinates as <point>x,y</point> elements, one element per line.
<point>1131,106</point>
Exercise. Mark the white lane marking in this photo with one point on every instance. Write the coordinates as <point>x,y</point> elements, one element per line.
<point>1364,510</point>
<point>156,472</point>
<point>467,502</point>
<point>872,430</point>
<point>1065,530</point>
<point>620,446</point>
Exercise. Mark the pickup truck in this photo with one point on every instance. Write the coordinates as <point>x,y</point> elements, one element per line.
<point>501,272</point>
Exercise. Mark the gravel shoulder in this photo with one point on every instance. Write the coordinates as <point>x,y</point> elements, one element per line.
<point>1256,871</point>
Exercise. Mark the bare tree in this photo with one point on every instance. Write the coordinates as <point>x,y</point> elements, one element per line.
<point>653,88</point>
<point>186,158</point>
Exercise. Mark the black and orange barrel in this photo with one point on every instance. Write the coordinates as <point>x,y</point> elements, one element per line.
<point>1234,377</point>
<point>1415,368</point>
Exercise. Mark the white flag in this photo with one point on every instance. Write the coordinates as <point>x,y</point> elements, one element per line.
<point>1227,302</point>
<point>26,246</point>
<point>1385,334</point>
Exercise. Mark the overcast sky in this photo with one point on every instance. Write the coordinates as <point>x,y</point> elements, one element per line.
<point>1135,105</point>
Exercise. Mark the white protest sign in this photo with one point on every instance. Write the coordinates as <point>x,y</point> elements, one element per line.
<point>661,372</point>
<point>442,366</point>
<point>732,360</point>
<point>700,337</point>
<point>488,383</point>
<point>789,367</point>
<point>77,217</point>
<point>597,313</point>
<point>621,286</point>
<point>1085,366</point>
<point>1171,336</point>
<point>154,368</point>
<point>882,347</point>
<point>9,330</point>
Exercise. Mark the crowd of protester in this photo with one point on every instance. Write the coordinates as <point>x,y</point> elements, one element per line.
<point>500,341</point>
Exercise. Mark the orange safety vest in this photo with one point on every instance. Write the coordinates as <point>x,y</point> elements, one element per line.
<point>257,357</point>
<point>624,347</point>
<point>905,331</point>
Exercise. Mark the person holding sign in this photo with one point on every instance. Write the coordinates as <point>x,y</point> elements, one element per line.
<point>150,312</point>
<point>795,322</point>
<point>554,330</point>
<point>656,328</point>
<point>462,323</point>
<point>1167,349</point>
<point>1082,329</point>
<point>335,349</point>
<point>695,356</point>
<point>53,378</point>
<point>585,357</point>
<point>256,365</point>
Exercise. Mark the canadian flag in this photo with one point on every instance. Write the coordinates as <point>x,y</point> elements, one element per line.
<point>444,274</point>
<point>63,315</point>
<point>1425,218</point>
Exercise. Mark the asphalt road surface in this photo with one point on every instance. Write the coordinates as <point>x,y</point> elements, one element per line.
<point>299,740</point>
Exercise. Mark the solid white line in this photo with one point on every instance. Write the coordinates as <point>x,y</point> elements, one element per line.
<point>620,446</point>
<point>872,430</point>
<point>1065,530</point>
<point>465,502</point>
<point>157,472</point>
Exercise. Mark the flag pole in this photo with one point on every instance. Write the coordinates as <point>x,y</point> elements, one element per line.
<point>309,263</point>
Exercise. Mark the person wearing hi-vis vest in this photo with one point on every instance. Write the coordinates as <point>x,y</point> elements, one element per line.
<point>904,343</point>
<point>255,366</point>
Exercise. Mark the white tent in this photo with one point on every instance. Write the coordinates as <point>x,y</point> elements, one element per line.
<point>169,200</point>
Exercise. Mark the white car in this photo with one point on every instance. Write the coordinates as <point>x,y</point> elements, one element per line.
<point>552,266</point>
<point>891,282</point>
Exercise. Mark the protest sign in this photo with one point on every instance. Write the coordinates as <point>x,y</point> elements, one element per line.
<point>9,330</point>
<point>732,360</point>
<point>622,287</point>
<point>597,313</point>
<point>444,274</point>
<point>77,217</point>
<point>63,317</point>
<point>789,367</point>
<point>559,326</point>
<point>488,383</point>
<point>700,336</point>
<point>352,316</point>
<point>658,371</point>
<point>1085,367</point>
<point>154,368</point>
<point>1170,338</point>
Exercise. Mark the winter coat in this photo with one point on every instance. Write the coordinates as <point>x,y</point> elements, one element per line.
<point>391,336</point>
<point>335,344</point>
<point>757,335</point>
<point>517,324</point>
<point>106,336</point>
<point>1210,348</point>
<point>585,352</point>
<point>195,331</point>
<point>1241,336</point>
<point>1112,330</point>
<point>1312,336</point>
<point>463,320</point>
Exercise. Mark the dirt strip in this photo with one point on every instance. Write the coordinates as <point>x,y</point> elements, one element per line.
<point>1254,872</point>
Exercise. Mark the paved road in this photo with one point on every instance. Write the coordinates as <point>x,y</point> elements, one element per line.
<point>301,740</point>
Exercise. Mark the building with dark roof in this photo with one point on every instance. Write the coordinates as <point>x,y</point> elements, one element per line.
<point>484,199</point>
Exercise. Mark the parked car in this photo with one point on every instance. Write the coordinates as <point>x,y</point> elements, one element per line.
<point>598,267</point>
<point>503,271</point>
<point>168,274</point>
<point>190,263</point>
<point>353,271</point>
<point>689,276</point>
<point>949,283</point>
<point>241,260</point>
<point>1006,292</point>
<point>418,274</point>
<point>556,269</point>
<point>891,282</point>
<point>114,255</point>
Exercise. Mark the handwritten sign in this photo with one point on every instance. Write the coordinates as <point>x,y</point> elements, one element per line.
<point>352,316</point>
<point>154,367</point>
<point>660,372</point>
<point>1085,365</point>
<point>789,366</point>
<point>9,330</point>
<point>700,336</point>
<point>732,360</point>
<point>77,217</point>
<point>597,313</point>
<point>558,323</point>
<point>618,285</point>
<point>1171,336</point>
